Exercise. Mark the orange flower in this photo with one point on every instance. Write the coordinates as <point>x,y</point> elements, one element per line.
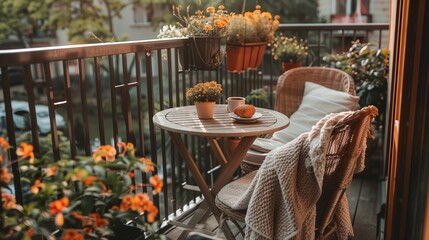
<point>115,208</point>
<point>25,151</point>
<point>131,174</point>
<point>221,7</point>
<point>77,216</point>
<point>148,163</point>
<point>5,176</point>
<point>95,221</point>
<point>156,183</point>
<point>51,171</point>
<point>100,222</point>
<point>126,202</point>
<point>104,188</point>
<point>8,200</point>
<point>152,212</point>
<point>106,151</point>
<point>142,200</point>
<point>208,27</point>
<point>219,23</point>
<point>59,219</point>
<point>4,143</point>
<point>210,9</point>
<point>58,205</point>
<point>72,234</point>
<point>29,232</point>
<point>89,180</point>
<point>79,174</point>
<point>125,147</point>
<point>87,230</point>
<point>36,187</point>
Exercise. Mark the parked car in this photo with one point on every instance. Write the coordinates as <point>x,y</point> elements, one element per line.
<point>16,76</point>
<point>21,116</point>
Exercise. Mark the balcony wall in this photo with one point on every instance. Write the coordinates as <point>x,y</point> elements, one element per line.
<point>109,92</point>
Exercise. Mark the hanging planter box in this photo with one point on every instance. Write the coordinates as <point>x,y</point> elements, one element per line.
<point>245,56</point>
<point>206,53</point>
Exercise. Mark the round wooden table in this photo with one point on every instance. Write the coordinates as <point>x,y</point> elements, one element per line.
<point>184,120</point>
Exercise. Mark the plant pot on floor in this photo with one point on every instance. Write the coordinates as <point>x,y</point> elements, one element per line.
<point>290,65</point>
<point>206,52</point>
<point>245,56</point>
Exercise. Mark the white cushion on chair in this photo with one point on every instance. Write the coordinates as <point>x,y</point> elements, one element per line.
<point>317,102</point>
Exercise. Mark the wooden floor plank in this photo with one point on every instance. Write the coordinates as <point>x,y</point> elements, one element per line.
<point>366,212</point>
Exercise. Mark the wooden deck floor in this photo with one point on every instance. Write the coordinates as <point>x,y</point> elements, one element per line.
<point>362,197</point>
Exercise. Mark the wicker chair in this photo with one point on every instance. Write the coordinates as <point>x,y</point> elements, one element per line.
<point>341,164</point>
<point>290,91</point>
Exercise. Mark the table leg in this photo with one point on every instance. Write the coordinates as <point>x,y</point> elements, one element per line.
<point>199,179</point>
<point>233,163</point>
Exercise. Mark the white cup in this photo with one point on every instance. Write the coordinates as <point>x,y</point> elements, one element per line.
<point>234,102</point>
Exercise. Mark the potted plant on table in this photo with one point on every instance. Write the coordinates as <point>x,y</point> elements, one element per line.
<point>204,96</point>
<point>248,34</point>
<point>206,29</point>
<point>289,51</point>
<point>87,198</point>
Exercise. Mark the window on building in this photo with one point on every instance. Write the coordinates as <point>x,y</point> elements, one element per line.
<point>143,13</point>
<point>350,11</point>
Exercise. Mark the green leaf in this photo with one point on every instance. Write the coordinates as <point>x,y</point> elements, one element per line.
<point>87,205</point>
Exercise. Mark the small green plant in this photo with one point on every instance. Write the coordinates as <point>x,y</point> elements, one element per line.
<point>369,69</point>
<point>259,97</point>
<point>288,49</point>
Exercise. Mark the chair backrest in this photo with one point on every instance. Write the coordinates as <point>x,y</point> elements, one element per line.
<point>290,85</point>
<point>342,158</point>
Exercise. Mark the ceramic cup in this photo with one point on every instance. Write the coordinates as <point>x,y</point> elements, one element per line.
<point>234,102</point>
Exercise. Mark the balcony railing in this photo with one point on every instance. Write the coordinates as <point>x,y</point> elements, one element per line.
<point>110,91</point>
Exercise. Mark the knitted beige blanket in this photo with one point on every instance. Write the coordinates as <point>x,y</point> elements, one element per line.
<point>281,199</point>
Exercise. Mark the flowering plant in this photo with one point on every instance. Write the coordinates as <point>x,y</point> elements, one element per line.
<point>171,31</point>
<point>288,49</point>
<point>209,23</point>
<point>256,26</point>
<point>204,92</point>
<point>87,198</point>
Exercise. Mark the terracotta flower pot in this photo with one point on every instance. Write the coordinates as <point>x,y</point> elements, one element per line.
<point>289,65</point>
<point>244,56</point>
<point>205,109</point>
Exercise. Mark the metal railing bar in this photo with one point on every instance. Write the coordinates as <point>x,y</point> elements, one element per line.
<point>113,94</point>
<point>31,107</point>
<point>162,132</point>
<point>126,101</point>
<point>11,134</point>
<point>50,97</point>
<point>68,103</point>
<point>139,103</point>
<point>84,106</point>
<point>99,96</point>
<point>379,38</point>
